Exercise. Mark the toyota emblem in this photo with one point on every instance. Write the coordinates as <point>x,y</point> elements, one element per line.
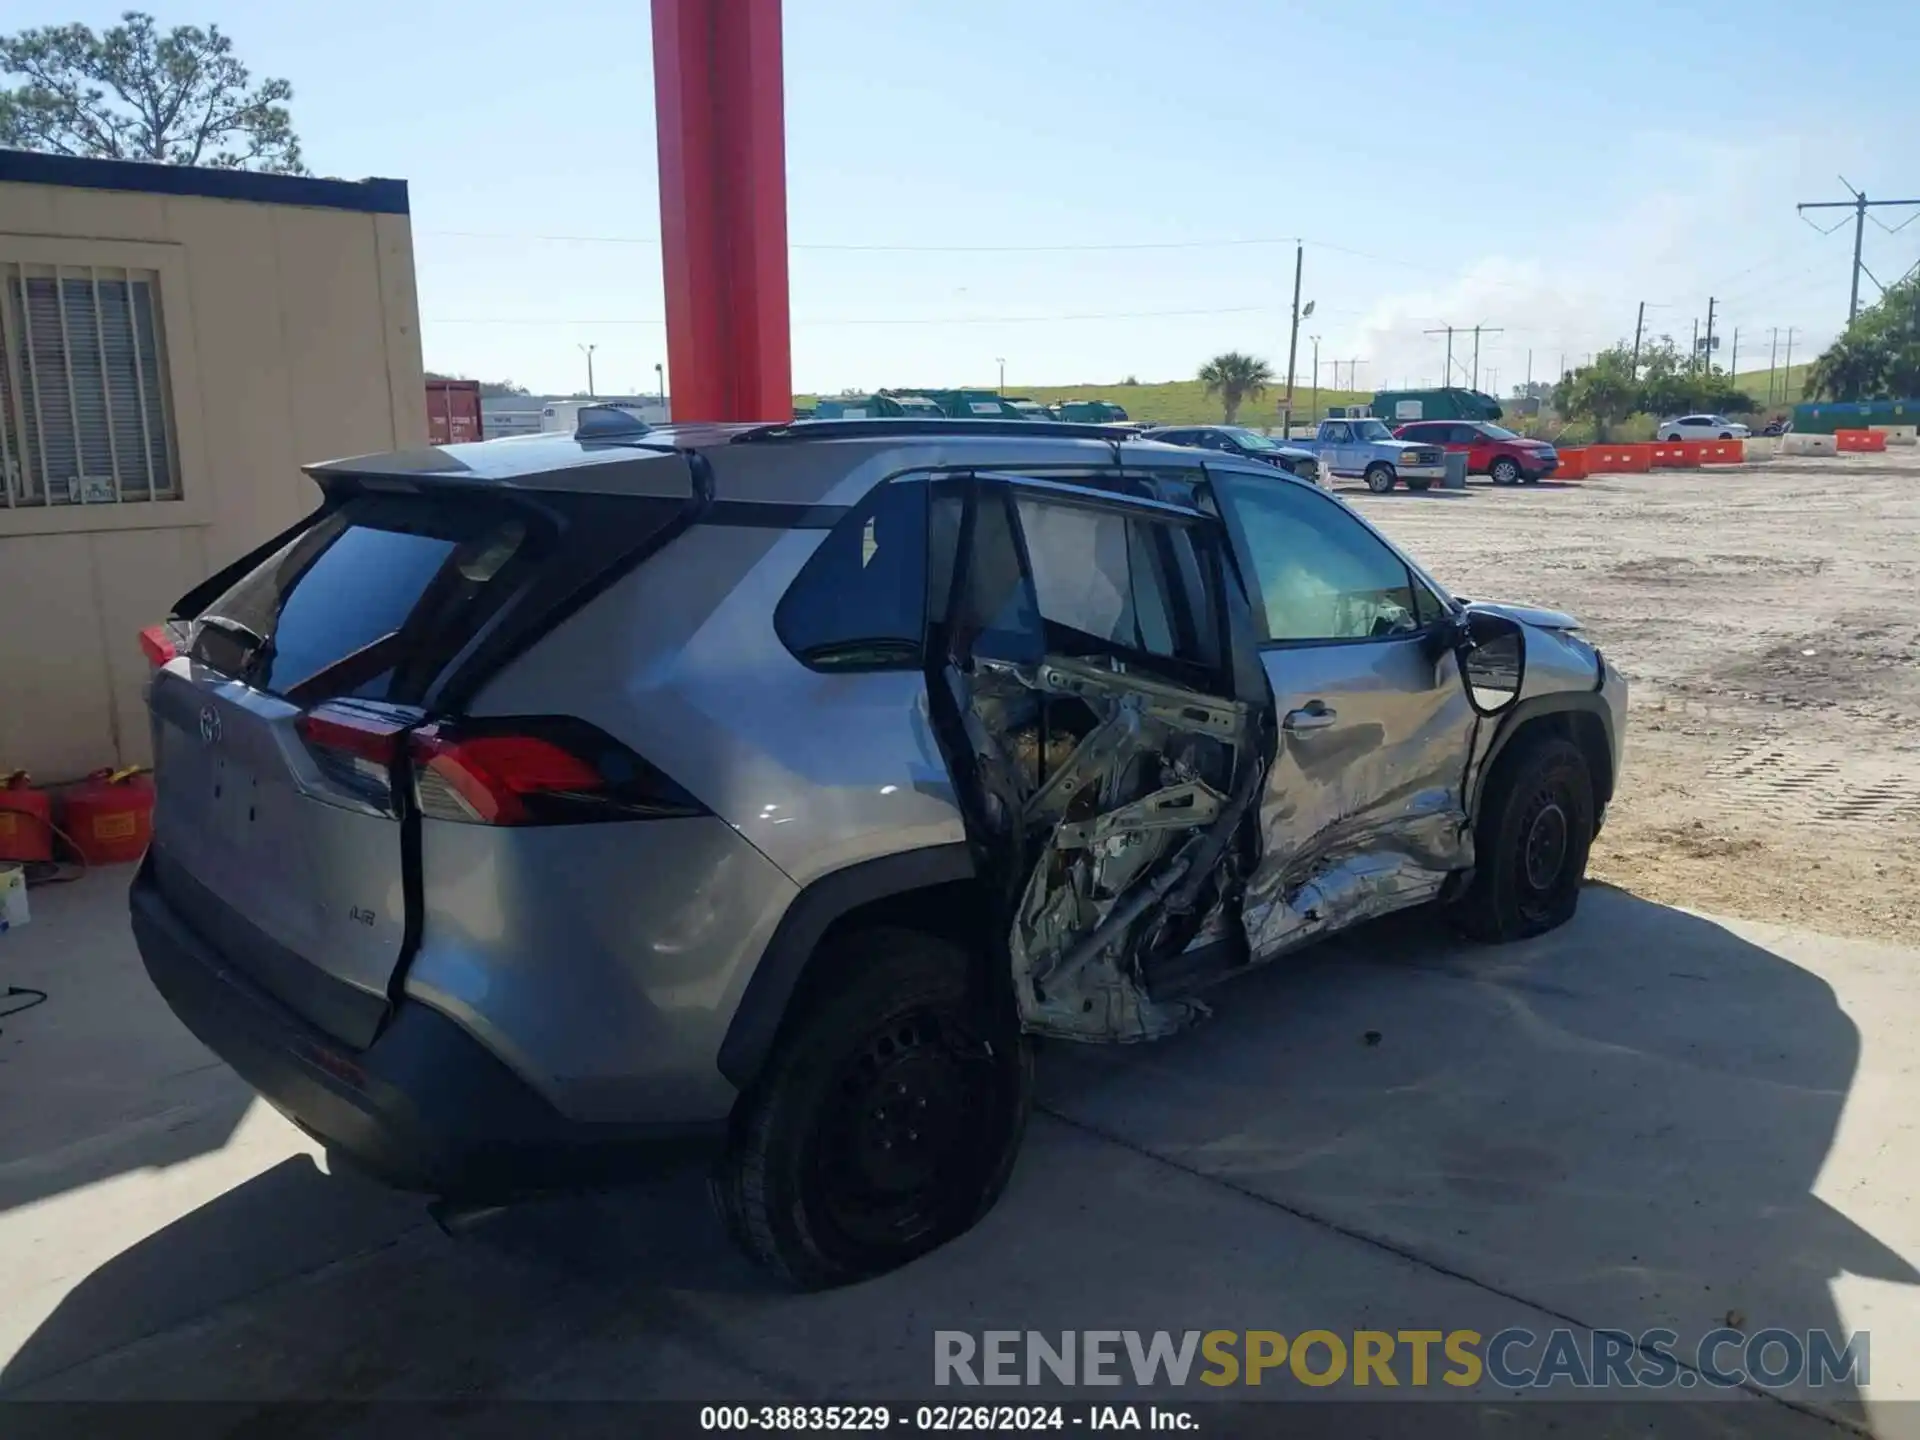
<point>210,725</point>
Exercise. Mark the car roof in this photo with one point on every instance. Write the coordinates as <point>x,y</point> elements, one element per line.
<point>801,462</point>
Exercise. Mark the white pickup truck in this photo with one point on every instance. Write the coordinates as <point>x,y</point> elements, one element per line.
<point>1365,449</point>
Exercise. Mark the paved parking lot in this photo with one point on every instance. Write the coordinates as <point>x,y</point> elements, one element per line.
<point>1650,1118</point>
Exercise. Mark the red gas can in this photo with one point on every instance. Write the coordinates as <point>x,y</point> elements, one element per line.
<point>26,819</point>
<point>109,816</point>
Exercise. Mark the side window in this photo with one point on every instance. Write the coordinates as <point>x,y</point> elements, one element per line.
<point>1105,578</point>
<point>1339,435</point>
<point>1465,435</point>
<point>859,603</point>
<point>1322,575</point>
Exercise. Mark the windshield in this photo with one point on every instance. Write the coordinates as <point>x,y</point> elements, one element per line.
<point>1251,439</point>
<point>1371,430</point>
<point>1496,432</point>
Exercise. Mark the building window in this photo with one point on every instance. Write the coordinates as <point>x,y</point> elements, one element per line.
<point>85,414</point>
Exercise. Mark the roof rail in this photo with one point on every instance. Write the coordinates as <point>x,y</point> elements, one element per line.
<point>899,426</point>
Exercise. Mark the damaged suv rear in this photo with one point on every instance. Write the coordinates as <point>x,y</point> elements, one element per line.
<point>538,811</point>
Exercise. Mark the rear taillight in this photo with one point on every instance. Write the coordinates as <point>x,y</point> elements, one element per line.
<point>540,771</point>
<point>355,749</point>
<point>160,643</point>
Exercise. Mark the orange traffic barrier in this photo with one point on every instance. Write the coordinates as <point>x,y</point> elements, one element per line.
<point>1723,452</point>
<point>1861,440</point>
<point>1573,464</point>
<point>1619,459</point>
<point>1675,454</point>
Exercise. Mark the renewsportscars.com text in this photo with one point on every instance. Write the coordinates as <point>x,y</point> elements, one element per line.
<point>1516,1359</point>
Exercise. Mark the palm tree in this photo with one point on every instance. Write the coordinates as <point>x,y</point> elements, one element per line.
<point>1234,377</point>
<point>1852,368</point>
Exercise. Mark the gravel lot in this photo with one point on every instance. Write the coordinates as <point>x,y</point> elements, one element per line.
<point>1769,619</point>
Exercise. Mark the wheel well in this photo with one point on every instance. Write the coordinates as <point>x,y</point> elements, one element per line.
<point>954,910</point>
<point>1584,729</point>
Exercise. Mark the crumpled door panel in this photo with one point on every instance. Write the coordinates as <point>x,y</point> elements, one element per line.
<point>1126,791</point>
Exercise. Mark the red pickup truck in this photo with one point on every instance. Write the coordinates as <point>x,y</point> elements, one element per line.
<point>1490,450</point>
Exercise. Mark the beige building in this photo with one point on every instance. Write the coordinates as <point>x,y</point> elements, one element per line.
<point>177,342</point>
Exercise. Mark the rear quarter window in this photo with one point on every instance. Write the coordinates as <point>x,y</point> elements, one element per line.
<point>859,603</point>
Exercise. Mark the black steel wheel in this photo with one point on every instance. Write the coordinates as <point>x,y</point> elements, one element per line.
<point>887,1120</point>
<point>1531,841</point>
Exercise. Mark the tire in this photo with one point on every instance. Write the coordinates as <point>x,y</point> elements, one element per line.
<point>1379,478</point>
<point>1504,471</point>
<point>1726,434</point>
<point>886,1121</point>
<point>1528,863</point>
<point>1673,439</point>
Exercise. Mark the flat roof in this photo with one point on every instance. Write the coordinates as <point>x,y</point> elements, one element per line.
<point>375,197</point>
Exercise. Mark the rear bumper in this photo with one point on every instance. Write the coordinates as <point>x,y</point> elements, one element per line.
<point>425,1107</point>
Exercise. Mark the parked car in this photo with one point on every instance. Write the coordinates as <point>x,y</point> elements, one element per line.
<point>1700,427</point>
<point>1033,409</point>
<point>1091,412</point>
<point>534,814</point>
<point>1247,444</point>
<point>882,404</point>
<point>1490,449</point>
<point>1364,449</point>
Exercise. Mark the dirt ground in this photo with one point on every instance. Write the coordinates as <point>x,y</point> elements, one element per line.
<point>1768,618</point>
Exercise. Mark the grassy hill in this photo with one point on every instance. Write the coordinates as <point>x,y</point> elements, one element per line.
<point>1185,402</point>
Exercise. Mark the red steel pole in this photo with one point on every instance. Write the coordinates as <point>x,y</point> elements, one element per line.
<point>719,106</point>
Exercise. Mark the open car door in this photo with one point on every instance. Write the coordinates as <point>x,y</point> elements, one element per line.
<point>1099,696</point>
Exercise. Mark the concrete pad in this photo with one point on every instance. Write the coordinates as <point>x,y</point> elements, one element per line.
<point>1646,1118</point>
<point>1631,1122</point>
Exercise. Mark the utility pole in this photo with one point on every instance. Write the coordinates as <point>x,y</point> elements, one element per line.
<point>1446,376</point>
<point>1859,204</point>
<point>1733,365</point>
<point>1786,376</point>
<point>588,350</point>
<point>1638,325</point>
<point>1476,350</point>
<point>1293,339</point>
<point>1773,359</point>
<point>1529,373</point>
<point>1315,416</point>
<point>1693,360</point>
<point>1001,361</point>
<point>1709,349</point>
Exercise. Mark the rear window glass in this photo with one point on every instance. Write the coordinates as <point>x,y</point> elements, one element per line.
<point>373,601</point>
<point>859,603</point>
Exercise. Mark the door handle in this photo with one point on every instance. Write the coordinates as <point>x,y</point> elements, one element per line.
<point>1313,716</point>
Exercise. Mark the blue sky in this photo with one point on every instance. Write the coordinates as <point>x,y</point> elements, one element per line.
<point>1506,164</point>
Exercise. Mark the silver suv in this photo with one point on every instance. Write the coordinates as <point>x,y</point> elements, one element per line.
<point>541,810</point>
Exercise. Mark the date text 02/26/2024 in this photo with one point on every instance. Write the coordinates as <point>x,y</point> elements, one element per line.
<point>940,1419</point>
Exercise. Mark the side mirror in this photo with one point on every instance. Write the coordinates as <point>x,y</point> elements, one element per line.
<point>1493,660</point>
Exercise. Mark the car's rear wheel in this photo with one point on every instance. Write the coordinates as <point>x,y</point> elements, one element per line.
<point>1504,471</point>
<point>1674,439</point>
<point>887,1120</point>
<point>1530,843</point>
<point>1379,478</point>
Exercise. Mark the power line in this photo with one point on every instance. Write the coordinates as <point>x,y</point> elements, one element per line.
<point>881,320</point>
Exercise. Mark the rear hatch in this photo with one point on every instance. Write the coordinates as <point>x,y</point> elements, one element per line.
<point>285,830</point>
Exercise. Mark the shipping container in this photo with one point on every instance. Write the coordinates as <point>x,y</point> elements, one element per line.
<point>1451,402</point>
<point>1823,417</point>
<point>453,412</point>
